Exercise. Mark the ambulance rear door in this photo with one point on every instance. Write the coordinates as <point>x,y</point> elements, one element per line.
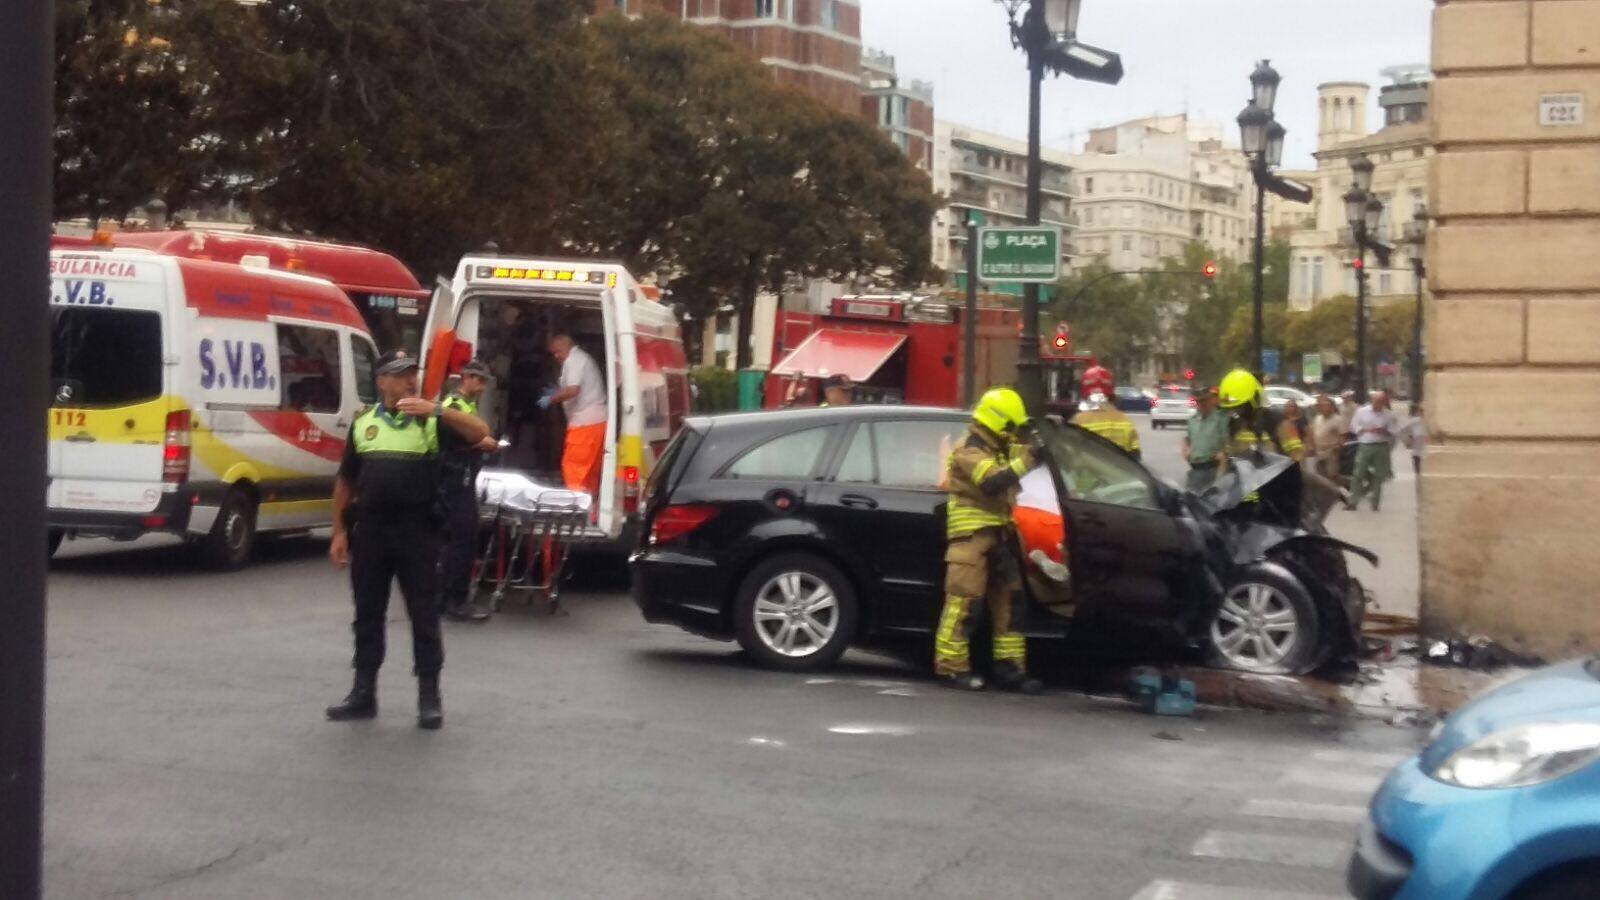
<point>110,373</point>
<point>436,343</point>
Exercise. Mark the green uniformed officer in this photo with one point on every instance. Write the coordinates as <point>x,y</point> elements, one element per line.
<point>459,462</point>
<point>385,526</point>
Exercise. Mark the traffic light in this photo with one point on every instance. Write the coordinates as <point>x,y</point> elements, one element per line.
<point>1063,338</point>
<point>1357,263</point>
<point>1188,374</point>
<point>1209,270</point>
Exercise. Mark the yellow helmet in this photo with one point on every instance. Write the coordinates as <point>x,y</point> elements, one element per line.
<point>1000,410</point>
<point>1239,388</point>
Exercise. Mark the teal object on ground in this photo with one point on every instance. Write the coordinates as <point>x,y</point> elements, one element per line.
<point>751,382</point>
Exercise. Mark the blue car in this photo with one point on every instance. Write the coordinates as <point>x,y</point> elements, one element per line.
<point>1504,802</point>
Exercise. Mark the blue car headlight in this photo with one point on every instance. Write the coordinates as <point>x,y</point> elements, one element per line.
<point>1522,756</point>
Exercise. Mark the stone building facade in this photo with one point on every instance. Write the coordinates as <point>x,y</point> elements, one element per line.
<point>1511,481</point>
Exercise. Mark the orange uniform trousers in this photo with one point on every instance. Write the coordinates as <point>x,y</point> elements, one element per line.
<point>581,455</point>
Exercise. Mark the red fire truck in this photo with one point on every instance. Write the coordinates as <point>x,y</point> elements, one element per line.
<point>905,348</point>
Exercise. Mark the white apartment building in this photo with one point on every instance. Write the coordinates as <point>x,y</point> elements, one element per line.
<point>986,172</point>
<point>1149,186</point>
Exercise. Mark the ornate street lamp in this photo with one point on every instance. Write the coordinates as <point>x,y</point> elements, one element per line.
<point>1374,217</point>
<point>1355,210</point>
<point>1061,17</point>
<point>1253,122</point>
<point>1416,237</point>
<point>1264,83</point>
<point>1361,167</point>
<point>1275,135</point>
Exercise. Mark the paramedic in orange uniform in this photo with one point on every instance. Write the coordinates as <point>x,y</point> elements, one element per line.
<point>583,396</point>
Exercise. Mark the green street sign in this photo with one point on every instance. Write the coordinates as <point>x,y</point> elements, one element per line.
<point>1311,368</point>
<point>1029,253</point>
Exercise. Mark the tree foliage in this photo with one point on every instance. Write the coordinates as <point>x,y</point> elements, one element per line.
<point>440,125</point>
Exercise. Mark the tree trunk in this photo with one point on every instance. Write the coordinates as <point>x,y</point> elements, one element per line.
<point>746,306</point>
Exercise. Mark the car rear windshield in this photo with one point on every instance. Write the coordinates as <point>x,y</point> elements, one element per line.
<point>104,357</point>
<point>1174,395</point>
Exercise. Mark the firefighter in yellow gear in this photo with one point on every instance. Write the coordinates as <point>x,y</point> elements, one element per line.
<point>1102,418</point>
<point>981,565</point>
<point>1254,426</point>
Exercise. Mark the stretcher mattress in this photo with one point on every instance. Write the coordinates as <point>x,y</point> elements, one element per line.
<point>513,489</point>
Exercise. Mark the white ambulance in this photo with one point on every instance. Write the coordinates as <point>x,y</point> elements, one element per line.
<point>202,399</point>
<point>503,310</point>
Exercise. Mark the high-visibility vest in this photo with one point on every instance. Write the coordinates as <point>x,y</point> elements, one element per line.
<point>982,462</point>
<point>380,433</point>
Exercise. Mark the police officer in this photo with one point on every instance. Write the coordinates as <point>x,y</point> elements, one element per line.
<point>459,462</point>
<point>385,526</point>
<point>980,555</point>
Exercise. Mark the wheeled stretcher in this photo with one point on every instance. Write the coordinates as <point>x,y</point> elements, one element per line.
<point>530,529</point>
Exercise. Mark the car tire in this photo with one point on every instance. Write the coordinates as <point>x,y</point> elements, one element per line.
<point>54,542</point>
<point>232,539</point>
<point>1266,624</point>
<point>795,612</point>
<point>1567,884</point>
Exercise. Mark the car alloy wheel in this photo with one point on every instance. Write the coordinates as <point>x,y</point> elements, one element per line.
<point>795,611</point>
<point>796,614</point>
<point>1257,629</point>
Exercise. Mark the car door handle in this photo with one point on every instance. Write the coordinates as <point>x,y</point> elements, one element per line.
<point>858,501</point>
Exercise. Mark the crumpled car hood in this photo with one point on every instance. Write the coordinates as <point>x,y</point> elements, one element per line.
<point>1244,477</point>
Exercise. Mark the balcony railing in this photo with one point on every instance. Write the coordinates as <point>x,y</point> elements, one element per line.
<point>1049,181</point>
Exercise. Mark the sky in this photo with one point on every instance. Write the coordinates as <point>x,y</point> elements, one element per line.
<point>1179,55</point>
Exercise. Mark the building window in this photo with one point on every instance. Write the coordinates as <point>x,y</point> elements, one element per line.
<point>1127,215</point>
<point>1088,215</point>
<point>766,9</point>
<point>1316,278</point>
<point>1088,185</point>
<point>828,14</point>
<point>1127,242</point>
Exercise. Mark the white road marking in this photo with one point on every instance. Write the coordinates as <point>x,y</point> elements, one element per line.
<point>1360,758</point>
<point>1305,812</point>
<point>1181,890</point>
<point>872,728</point>
<point>1332,780</point>
<point>1278,849</point>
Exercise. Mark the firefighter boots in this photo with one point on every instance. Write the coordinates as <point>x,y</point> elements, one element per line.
<point>430,707</point>
<point>362,702</point>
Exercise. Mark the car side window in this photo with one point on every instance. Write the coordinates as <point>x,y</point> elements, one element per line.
<point>308,360</point>
<point>860,464</point>
<point>366,360</point>
<point>791,456</point>
<point>1097,471</point>
<point>914,454</point>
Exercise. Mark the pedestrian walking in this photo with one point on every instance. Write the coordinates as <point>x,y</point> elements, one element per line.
<point>1375,430</point>
<point>582,395</point>
<point>385,527</point>
<point>1347,409</point>
<point>459,463</point>
<point>1205,441</point>
<point>1328,431</point>
<point>1414,434</point>
<point>981,567</point>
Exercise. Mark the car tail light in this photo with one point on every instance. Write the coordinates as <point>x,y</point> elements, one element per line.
<point>1193,402</point>
<point>175,448</point>
<point>674,522</point>
<point>630,489</point>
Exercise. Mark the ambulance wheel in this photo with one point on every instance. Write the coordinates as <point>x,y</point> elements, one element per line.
<point>233,536</point>
<point>796,612</point>
<point>56,536</point>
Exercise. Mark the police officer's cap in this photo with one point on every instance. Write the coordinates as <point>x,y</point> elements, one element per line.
<point>476,367</point>
<point>396,362</point>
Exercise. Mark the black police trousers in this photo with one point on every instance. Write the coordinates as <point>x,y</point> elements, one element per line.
<point>460,545</point>
<point>385,548</point>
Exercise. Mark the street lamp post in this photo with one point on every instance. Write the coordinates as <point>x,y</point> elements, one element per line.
<point>1417,238</point>
<point>1363,211</point>
<point>1261,138</point>
<point>1047,33</point>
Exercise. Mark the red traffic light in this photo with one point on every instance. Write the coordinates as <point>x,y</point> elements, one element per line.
<point>1188,374</point>
<point>1356,264</point>
<point>1209,270</point>
<point>1063,337</point>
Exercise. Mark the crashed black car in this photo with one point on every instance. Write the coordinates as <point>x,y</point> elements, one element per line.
<point>802,533</point>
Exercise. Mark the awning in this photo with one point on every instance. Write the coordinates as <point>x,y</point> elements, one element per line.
<point>830,351</point>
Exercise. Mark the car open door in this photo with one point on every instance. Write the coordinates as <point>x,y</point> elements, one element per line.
<point>1128,556</point>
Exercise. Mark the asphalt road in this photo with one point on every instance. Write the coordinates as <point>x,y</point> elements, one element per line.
<point>596,755</point>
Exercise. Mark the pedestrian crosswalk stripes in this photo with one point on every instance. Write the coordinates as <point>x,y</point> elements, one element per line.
<point>1306,812</point>
<point>1278,849</point>
<point>1327,779</point>
<point>1358,758</point>
<point>1179,890</point>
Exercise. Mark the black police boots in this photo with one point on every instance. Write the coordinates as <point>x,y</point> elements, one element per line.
<point>362,702</point>
<point>430,707</point>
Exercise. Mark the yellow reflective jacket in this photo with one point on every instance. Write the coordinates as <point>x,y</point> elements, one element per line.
<point>1272,431</point>
<point>982,476</point>
<point>1112,424</point>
